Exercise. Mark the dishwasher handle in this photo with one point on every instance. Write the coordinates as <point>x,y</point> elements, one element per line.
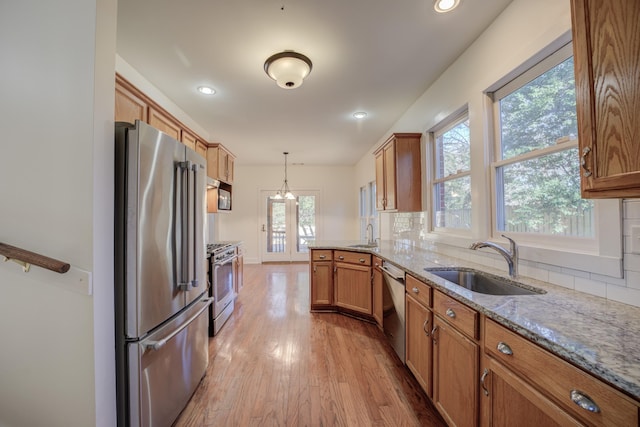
<point>392,274</point>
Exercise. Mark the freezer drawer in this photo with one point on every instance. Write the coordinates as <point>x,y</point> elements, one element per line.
<point>166,367</point>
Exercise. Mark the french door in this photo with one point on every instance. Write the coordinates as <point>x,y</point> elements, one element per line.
<point>288,225</point>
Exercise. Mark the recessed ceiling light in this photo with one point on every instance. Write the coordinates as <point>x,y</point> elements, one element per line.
<point>445,5</point>
<point>360,115</point>
<point>206,90</point>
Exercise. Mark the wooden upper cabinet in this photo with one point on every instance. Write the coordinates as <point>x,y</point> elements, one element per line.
<point>398,174</point>
<point>606,43</point>
<point>164,123</point>
<point>188,139</point>
<point>220,163</point>
<point>201,148</point>
<point>129,106</point>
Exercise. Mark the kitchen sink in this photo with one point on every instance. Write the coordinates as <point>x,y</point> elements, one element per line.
<point>364,245</point>
<point>484,283</point>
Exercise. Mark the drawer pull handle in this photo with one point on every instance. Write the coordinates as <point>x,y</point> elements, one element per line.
<point>450,313</point>
<point>362,260</point>
<point>340,257</point>
<point>415,290</point>
<point>424,326</point>
<point>584,401</point>
<point>505,349</point>
<point>482,384</point>
<point>433,334</point>
<point>322,256</point>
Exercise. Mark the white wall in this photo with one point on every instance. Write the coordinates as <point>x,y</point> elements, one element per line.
<point>338,205</point>
<point>56,161</point>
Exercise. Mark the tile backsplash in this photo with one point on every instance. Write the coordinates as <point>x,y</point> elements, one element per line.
<point>410,228</point>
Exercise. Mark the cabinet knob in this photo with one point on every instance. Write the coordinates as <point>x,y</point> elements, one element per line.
<point>415,290</point>
<point>322,256</point>
<point>505,349</point>
<point>584,401</point>
<point>362,260</point>
<point>340,257</point>
<point>450,313</point>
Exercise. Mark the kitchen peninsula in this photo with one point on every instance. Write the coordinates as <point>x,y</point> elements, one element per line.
<point>600,336</point>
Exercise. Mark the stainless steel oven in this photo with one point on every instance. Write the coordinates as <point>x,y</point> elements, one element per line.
<point>221,277</point>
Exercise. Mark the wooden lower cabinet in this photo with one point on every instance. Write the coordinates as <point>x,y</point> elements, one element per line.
<point>239,269</point>
<point>419,321</point>
<point>321,284</point>
<point>507,400</point>
<point>455,375</point>
<point>378,288</point>
<point>353,287</point>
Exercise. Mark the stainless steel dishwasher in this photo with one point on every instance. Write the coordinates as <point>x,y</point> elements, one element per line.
<point>393,307</point>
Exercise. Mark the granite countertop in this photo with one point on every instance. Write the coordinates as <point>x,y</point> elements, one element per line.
<point>597,334</point>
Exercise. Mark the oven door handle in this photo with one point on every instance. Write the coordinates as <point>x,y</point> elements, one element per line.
<point>226,261</point>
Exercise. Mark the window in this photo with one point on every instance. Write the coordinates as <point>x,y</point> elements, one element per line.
<point>368,212</point>
<point>536,169</point>
<point>451,183</point>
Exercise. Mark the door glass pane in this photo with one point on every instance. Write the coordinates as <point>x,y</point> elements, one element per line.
<point>306,218</point>
<point>276,225</point>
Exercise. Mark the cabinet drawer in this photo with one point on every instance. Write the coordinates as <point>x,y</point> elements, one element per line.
<point>559,379</point>
<point>456,313</point>
<point>353,257</point>
<point>420,291</point>
<point>321,255</point>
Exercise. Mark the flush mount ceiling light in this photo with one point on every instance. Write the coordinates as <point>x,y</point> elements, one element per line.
<point>206,90</point>
<point>288,68</point>
<point>284,192</point>
<point>443,6</point>
<point>360,115</point>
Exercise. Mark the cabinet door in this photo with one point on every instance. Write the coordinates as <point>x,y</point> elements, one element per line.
<point>239,270</point>
<point>380,180</point>
<point>201,148</point>
<point>507,400</point>
<point>129,106</point>
<point>188,139</point>
<point>230,162</point>
<point>353,288</point>
<point>321,283</point>
<point>606,44</point>
<point>164,123</point>
<point>418,341</point>
<point>390,176</point>
<point>378,283</point>
<point>455,375</point>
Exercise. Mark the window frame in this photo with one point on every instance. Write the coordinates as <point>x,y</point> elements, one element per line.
<point>565,242</point>
<point>367,209</point>
<point>604,250</point>
<point>441,128</point>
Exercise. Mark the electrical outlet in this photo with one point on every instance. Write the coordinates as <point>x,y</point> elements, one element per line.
<point>635,239</point>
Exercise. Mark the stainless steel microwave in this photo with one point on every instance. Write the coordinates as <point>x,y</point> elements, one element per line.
<point>224,200</point>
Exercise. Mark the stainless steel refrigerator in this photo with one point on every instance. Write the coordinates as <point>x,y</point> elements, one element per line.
<point>160,279</point>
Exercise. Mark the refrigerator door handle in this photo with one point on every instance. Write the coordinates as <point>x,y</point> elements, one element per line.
<point>184,282</point>
<point>158,344</point>
<point>193,225</point>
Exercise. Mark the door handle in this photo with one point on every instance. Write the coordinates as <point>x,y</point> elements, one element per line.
<point>264,228</point>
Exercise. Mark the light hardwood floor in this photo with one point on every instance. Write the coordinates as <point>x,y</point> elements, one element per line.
<point>276,364</point>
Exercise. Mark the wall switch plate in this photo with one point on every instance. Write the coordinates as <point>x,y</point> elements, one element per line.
<point>635,239</point>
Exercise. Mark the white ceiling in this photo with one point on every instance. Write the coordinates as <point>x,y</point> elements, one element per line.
<point>376,56</point>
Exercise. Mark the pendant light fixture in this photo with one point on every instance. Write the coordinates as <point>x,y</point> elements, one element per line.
<point>284,192</point>
<point>288,68</point>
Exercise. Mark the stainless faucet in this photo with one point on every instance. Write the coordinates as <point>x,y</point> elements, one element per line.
<point>370,240</point>
<point>511,256</point>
